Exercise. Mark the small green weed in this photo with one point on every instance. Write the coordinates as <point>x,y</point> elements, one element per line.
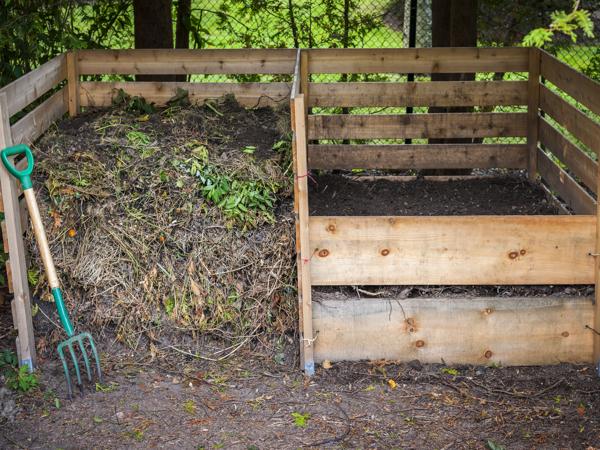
<point>300,420</point>
<point>449,371</point>
<point>189,406</point>
<point>17,378</point>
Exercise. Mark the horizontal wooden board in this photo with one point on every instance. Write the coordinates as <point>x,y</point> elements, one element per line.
<point>37,121</point>
<point>574,83</point>
<point>437,93</point>
<point>247,94</point>
<point>413,126</point>
<point>565,186</point>
<point>418,60</point>
<point>184,61</point>
<point>452,250</point>
<point>580,125</point>
<point>481,331</point>
<point>433,156</point>
<point>34,84</point>
<point>578,162</point>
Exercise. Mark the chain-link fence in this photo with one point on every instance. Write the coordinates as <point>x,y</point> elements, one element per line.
<point>374,24</point>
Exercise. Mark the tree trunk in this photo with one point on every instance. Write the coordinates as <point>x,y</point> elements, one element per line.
<point>454,24</point>
<point>182,32</point>
<point>153,24</point>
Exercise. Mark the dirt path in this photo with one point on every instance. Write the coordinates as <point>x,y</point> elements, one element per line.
<point>246,404</point>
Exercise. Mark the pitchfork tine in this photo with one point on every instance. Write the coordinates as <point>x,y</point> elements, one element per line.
<point>85,360</point>
<point>95,353</point>
<point>75,365</point>
<point>66,370</point>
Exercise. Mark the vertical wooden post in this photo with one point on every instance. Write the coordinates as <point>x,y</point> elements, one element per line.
<point>597,282</point>
<point>304,255</point>
<point>533,104</point>
<point>73,84</point>
<point>21,306</point>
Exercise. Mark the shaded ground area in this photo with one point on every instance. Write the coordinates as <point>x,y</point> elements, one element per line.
<point>249,404</point>
<point>342,195</point>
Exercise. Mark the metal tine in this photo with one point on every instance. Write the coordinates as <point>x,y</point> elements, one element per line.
<point>86,360</point>
<point>61,353</point>
<point>75,365</point>
<point>95,353</point>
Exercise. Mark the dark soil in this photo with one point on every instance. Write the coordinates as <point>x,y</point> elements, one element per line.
<point>248,404</point>
<point>342,195</point>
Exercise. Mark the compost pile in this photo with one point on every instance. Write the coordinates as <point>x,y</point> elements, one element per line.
<point>171,226</point>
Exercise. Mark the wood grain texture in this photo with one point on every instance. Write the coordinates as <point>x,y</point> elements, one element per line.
<point>577,85</point>
<point>414,126</point>
<point>303,257</point>
<point>452,250</point>
<point>565,186</point>
<point>481,331</point>
<point>36,122</point>
<point>34,84</point>
<point>578,162</point>
<point>73,84</point>
<point>438,93</point>
<point>580,125</point>
<point>184,61</point>
<point>533,105</point>
<point>21,304</point>
<point>418,60</point>
<point>247,94</point>
<point>433,156</point>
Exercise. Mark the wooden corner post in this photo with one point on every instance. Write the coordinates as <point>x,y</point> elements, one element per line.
<point>21,305</point>
<point>533,104</point>
<point>596,330</point>
<point>73,84</point>
<point>304,256</point>
<point>303,253</point>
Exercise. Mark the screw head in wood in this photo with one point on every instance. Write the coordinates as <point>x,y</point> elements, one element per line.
<point>488,354</point>
<point>420,343</point>
<point>565,334</point>
<point>385,252</point>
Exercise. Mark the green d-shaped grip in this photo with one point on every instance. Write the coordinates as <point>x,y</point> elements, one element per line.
<point>24,175</point>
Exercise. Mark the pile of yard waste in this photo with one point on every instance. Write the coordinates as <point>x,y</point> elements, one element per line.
<point>170,226</point>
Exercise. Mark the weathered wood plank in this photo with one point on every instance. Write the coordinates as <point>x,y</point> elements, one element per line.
<point>433,156</point>
<point>37,121</point>
<point>580,125</point>
<point>184,61</point>
<point>303,258</point>
<point>101,94</point>
<point>73,84</point>
<point>574,83</point>
<point>418,60</point>
<point>481,331</point>
<point>34,84</point>
<point>438,93</point>
<point>398,126</point>
<point>567,188</point>
<point>533,105</point>
<point>452,250</point>
<point>578,162</point>
<point>21,305</point>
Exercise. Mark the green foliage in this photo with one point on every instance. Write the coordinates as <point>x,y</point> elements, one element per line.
<point>246,201</point>
<point>135,105</point>
<point>449,371</point>
<point>17,378</point>
<point>564,23</point>
<point>300,420</point>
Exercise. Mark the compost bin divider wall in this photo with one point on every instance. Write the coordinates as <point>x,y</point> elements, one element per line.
<point>388,250</point>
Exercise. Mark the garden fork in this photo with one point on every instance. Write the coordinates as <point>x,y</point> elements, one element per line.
<point>79,340</point>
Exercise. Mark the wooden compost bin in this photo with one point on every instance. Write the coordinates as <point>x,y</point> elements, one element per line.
<point>481,250</point>
<point>449,250</point>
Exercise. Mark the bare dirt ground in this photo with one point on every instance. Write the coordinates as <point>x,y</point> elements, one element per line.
<point>251,403</point>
